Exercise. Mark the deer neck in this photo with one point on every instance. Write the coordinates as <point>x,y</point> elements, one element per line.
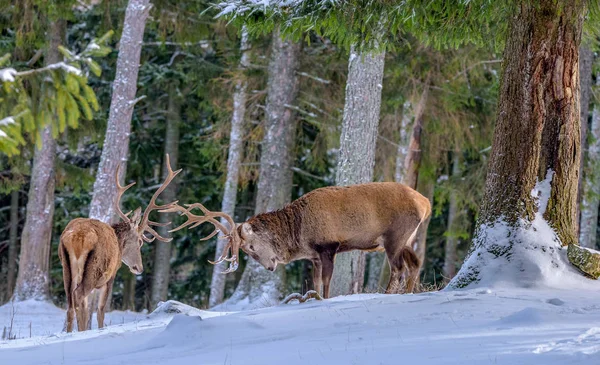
<point>121,230</point>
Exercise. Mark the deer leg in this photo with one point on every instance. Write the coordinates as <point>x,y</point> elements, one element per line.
<point>104,293</point>
<point>327,270</point>
<point>413,266</point>
<point>318,275</point>
<point>80,308</point>
<point>64,257</point>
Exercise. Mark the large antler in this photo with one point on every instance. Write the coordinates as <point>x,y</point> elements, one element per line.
<point>230,233</point>
<point>120,191</point>
<point>146,223</point>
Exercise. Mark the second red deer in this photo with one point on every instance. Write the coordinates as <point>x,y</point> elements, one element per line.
<point>328,221</point>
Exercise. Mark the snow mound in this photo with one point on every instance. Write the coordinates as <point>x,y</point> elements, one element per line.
<point>529,254</point>
<point>173,307</point>
<point>528,317</point>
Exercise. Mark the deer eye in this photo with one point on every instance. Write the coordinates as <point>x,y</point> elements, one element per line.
<point>251,248</point>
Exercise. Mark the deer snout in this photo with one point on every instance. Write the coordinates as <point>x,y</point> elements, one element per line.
<point>135,269</point>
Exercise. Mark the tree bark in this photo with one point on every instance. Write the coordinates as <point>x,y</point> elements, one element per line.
<point>260,286</point>
<point>234,161</point>
<point>412,163</point>
<point>32,280</point>
<point>13,242</point>
<point>357,152</point>
<point>590,195</point>
<point>450,257</point>
<point>116,142</point>
<point>403,142</point>
<point>537,137</point>
<point>586,58</point>
<point>162,250</point>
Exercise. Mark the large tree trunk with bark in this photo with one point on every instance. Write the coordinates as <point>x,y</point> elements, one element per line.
<point>116,142</point>
<point>357,152</point>
<point>162,250</point>
<point>32,280</point>
<point>234,161</point>
<point>590,195</point>
<point>533,171</point>
<point>13,242</point>
<point>450,256</point>
<point>260,286</point>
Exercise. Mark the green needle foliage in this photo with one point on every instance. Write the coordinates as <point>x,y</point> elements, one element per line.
<point>56,95</point>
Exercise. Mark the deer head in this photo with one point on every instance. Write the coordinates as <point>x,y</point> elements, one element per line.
<point>134,231</point>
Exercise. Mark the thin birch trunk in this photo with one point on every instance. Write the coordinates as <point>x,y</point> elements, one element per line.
<point>258,285</point>
<point>32,280</point>
<point>357,152</point>
<point>163,250</point>
<point>590,194</point>
<point>234,161</point>
<point>450,257</point>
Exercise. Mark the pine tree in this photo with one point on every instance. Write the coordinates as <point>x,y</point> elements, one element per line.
<point>32,280</point>
<point>259,286</point>
<point>537,137</point>
<point>116,142</point>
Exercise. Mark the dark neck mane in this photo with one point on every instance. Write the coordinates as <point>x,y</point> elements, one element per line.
<point>284,226</point>
<point>120,229</point>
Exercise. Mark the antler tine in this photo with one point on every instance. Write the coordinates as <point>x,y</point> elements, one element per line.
<point>230,233</point>
<point>144,224</point>
<point>120,191</point>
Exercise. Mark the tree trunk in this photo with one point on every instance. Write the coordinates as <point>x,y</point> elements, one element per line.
<point>262,287</point>
<point>13,242</point>
<point>32,280</point>
<point>116,142</point>
<point>403,142</point>
<point>450,257</point>
<point>357,152</point>
<point>412,163</point>
<point>586,59</point>
<point>537,137</point>
<point>129,283</point>
<point>590,195</point>
<point>378,266</point>
<point>234,161</point>
<point>162,250</point>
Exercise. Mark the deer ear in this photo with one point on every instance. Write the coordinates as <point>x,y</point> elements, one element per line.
<point>137,216</point>
<point>246,230</point>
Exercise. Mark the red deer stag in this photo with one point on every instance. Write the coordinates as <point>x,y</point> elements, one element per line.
<point>91,252</point>
<point>375,216</point>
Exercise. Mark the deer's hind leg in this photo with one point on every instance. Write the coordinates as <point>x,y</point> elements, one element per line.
<point>401,257</point>
<point>105,292</point>
<point>67,281</point>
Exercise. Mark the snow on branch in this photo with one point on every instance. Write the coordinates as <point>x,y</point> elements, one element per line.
<point>233,8</point>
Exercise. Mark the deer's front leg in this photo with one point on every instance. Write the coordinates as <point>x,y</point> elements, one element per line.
<point>318,275</point>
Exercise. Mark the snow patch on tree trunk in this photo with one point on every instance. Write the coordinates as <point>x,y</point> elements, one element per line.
<point>526,254</point>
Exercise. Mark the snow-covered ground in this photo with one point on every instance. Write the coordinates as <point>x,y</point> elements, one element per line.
<point>478,326</point>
